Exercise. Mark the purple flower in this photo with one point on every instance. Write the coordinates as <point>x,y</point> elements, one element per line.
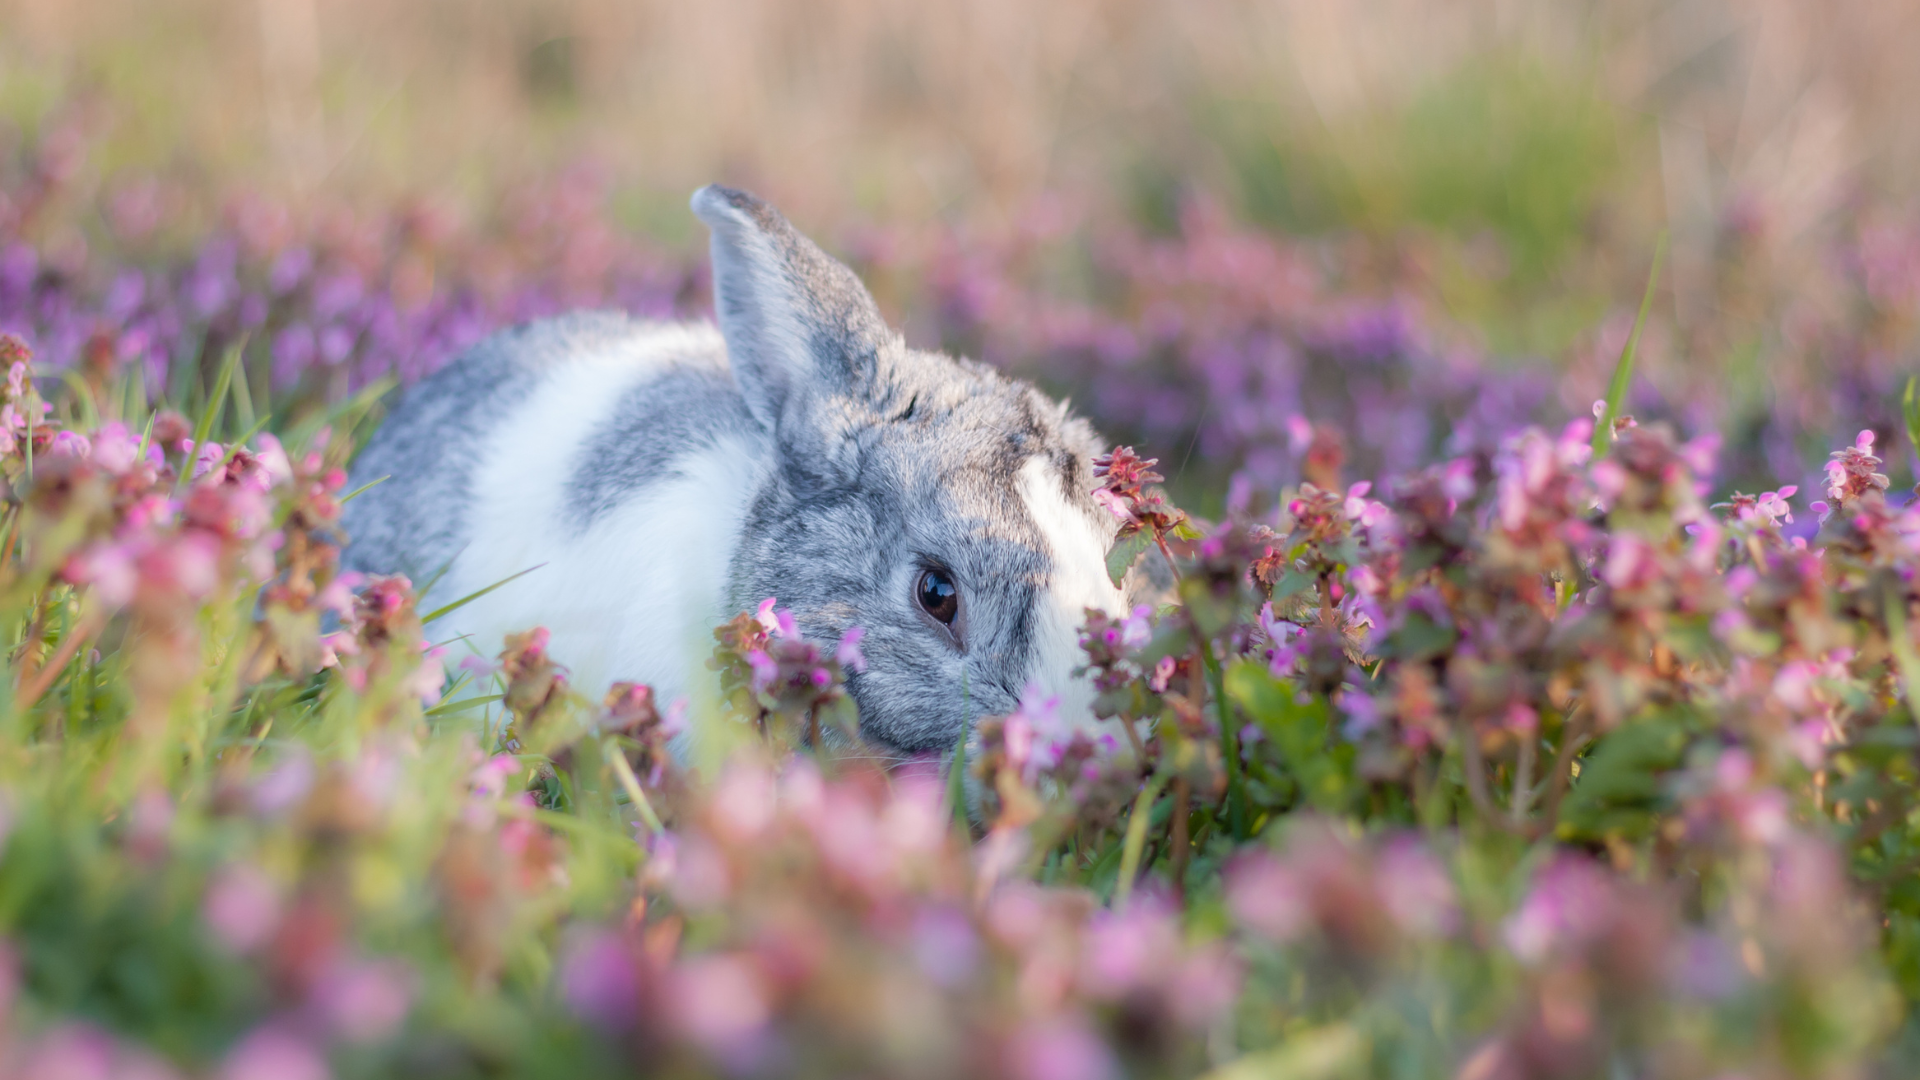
<point>766,670</point>
<point>599,980</point>
<point>945,945</point>
<point>848,651</point>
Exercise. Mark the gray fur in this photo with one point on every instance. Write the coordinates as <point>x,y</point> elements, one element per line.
<point>884,460</point>
<point>684,409</point>
<point>414,522</point>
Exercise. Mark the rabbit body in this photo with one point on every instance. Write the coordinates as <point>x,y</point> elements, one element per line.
<point>653,479</point>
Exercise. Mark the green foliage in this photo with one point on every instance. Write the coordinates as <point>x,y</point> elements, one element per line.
<point>1507,148</point>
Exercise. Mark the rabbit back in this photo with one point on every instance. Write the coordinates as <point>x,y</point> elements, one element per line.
<point>609,460</point>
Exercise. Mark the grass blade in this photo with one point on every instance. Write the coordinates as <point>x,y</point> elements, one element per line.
<point>375,482</point>
<point>1900,643</point>
<point>216,404</point>
<point>1136,840</point>
<point>472,596</point>
<point>1623,371</point>
<point>455,708</point>
<point>217,400</point>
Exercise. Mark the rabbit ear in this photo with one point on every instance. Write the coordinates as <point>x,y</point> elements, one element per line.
<point>797,322</point>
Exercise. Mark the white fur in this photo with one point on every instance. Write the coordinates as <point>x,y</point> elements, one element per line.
<point>634,596</point>
<point>1078,544</point>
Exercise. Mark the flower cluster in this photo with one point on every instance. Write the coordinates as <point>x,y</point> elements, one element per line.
<point>1529,761</point>
<point>789,686</point>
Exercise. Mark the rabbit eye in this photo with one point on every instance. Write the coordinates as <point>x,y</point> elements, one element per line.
<point>937,595</point>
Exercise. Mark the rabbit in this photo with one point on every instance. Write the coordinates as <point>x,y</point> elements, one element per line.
<point>652,479</point>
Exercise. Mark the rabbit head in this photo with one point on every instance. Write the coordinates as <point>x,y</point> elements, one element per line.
<point>944,508</point>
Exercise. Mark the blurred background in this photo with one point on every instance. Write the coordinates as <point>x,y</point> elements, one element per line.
<point>1209,220</point>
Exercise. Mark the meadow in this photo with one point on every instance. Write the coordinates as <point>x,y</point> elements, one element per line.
<point>1534,697</point>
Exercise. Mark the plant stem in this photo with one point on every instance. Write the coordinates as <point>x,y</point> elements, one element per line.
<point>1523,777</point>
<point>1136,840</point>
<point>1179,840</point>
<point>44,677</point>
<point>1229,740</point>
<point>1476,770</point>
<point>635,793</point>
<point>1573,736</point>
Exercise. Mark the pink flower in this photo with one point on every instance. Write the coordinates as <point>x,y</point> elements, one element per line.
<point>766,670</point>
<point>109,569</point>
<point>150,823</point>
<point>70,444</point>
<point>1163,673</point>
<point>1061,1048</point>
<point>1772,505</point>
<point>777,623</point>
<point>717,1001</point>
<point>489,780</point>
<point>72,1050</point>
<point>1416,889</point>
<point>115,448</point>
<point>1115,505</point>
<point>366,1001</point>
<point>241,907</point>
<point>674,720</point>
<point>78,1051</point>
<point>426,680</point>
<point>1203,987</point>
<point>1125,950</point>
<point>1266,897</point>
<point>1571,902</point>
<point>1136,630</point>
<point>274,464</point>
<point>1039,730</point>
<point>743,802</point>
<point>286,784</point>
<point>272,1053</point>
<point>694,871</point>
<point>1630,562</point>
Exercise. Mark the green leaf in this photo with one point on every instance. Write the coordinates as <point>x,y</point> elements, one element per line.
<point>1418,638</point>
<point>1623,371</point>
<point>1125,552</point>
<point>1300,731</point>
<point>1620,789</point>
<point>1325,1053</point>
<point>217,400</point>
<point>1292,583</point>
<point>1910,411</point>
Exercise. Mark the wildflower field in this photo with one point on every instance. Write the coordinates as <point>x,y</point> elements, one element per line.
<point>1498,721</point>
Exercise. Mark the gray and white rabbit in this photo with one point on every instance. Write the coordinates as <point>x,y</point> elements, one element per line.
<point>663,477</point>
